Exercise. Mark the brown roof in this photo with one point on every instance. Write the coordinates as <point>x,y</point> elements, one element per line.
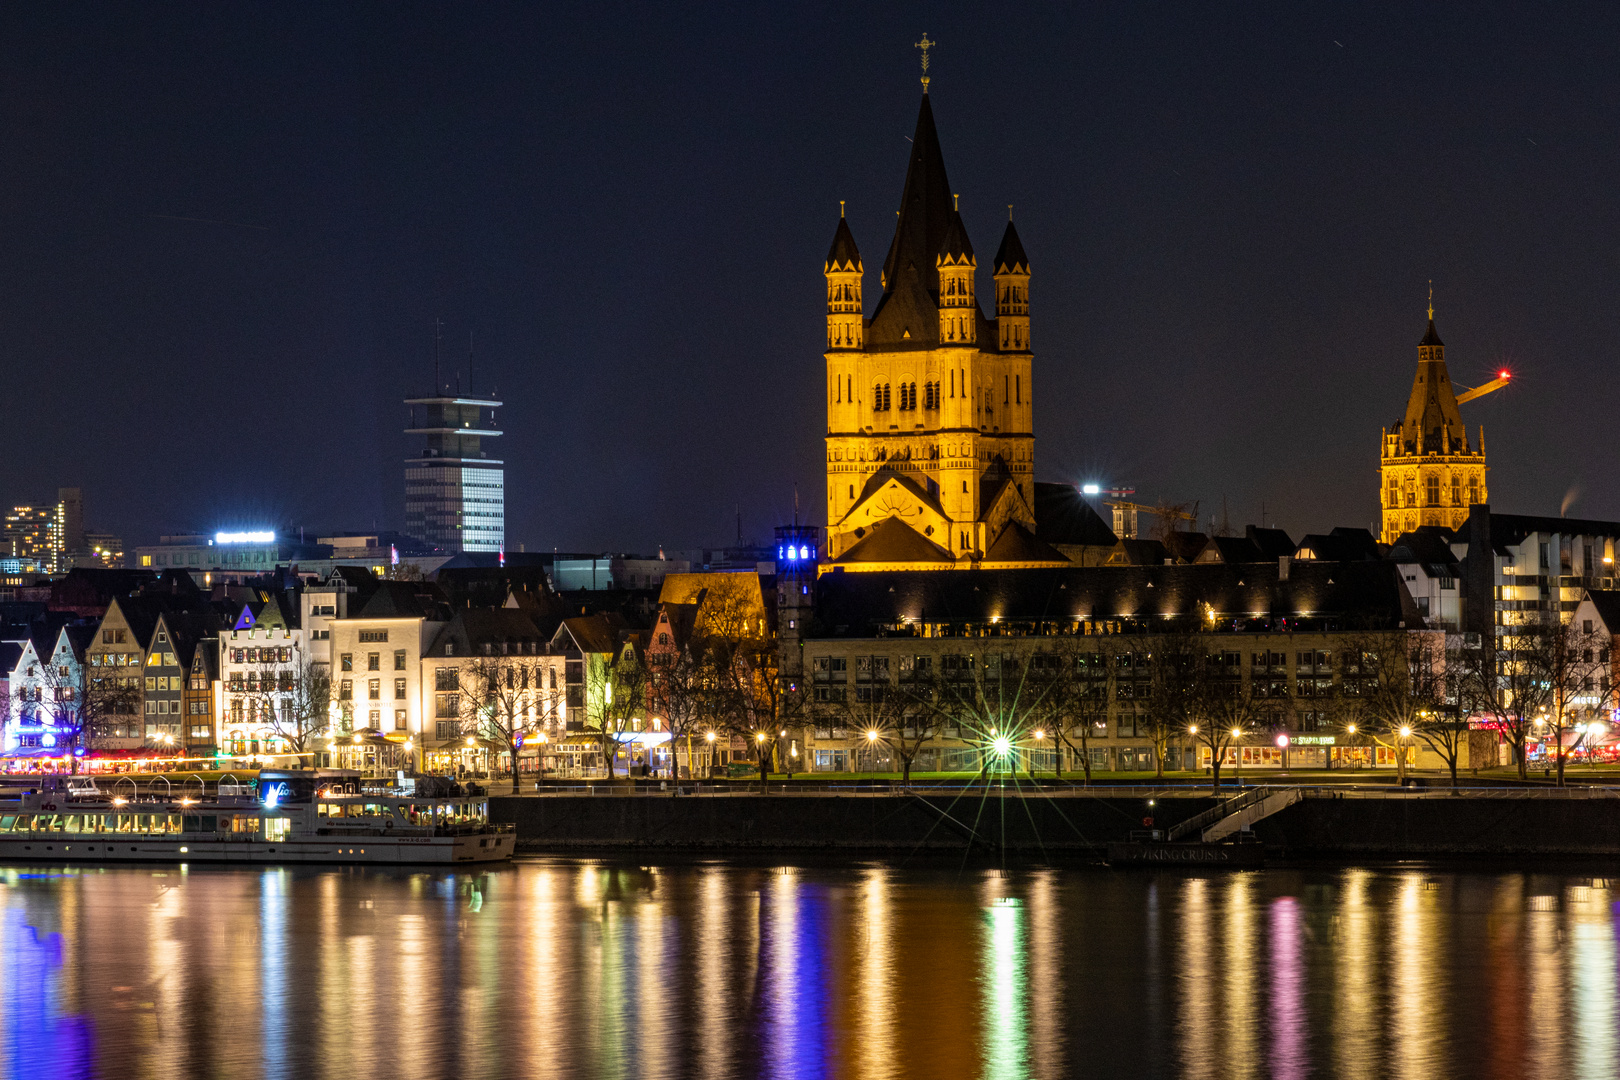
<point>893,541</point>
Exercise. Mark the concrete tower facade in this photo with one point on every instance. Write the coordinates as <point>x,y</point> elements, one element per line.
<point>929,403</point>
<point>455,493</point>
<point>1429,474</point>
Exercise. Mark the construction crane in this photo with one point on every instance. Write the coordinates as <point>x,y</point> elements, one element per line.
<point>1501,380</point>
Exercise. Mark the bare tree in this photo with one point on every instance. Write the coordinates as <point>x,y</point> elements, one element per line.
<point>896,714</point>
<point>1077,708</point>
<point>678,688</point>
<point>1404,679</point>
<point>1571,666</point>
<point>754,703</point>
<point>617,695</point>
<point>1222,708</point>
<point>994,697</point>
<point>293,699</point>
<point>1175,667</point>
<point>1501,687</point>
<point>503,702</point>
<point>88,706</point>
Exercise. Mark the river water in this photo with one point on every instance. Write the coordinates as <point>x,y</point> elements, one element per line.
<point>603,968</point>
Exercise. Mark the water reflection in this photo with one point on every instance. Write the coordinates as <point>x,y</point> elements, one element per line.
<point>587,968</point>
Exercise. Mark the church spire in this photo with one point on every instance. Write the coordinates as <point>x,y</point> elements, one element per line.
<point>925,208</point>
<point>1431,340</point>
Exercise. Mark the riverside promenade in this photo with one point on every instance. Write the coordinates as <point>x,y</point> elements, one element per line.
<point>1482,820</point>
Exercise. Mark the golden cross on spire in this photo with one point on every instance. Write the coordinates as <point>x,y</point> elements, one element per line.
<point>1431,300</point>
<point>925,45</point>
<point>840,207</point>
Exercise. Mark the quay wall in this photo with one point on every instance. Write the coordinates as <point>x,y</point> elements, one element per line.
<point>1392,826</point>
<point>1445,826</point>
<point>887,822</point>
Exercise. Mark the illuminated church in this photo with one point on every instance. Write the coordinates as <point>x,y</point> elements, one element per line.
<point>930,452</point>
<point>1429,473</point>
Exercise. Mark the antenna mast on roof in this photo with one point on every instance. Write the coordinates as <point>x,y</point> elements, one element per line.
<point>471,386</point>
<point>438,325</point>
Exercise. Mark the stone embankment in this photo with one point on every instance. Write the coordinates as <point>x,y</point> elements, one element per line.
<point>1327,823</point>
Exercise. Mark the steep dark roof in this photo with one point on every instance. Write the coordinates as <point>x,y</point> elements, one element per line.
<point>1063,517</point>
<point>1421,546</point>
<point>401,600</point>
<point>843,255</point>
<point>1345,595</point>
<point>1431,338</point>
<point>1607,603</point>
<point>1232,549</point>
<point>187,631</point>
<point>1135,551</point>
<point>1340,545</point>
<point>504,631</point>
<point>910,277</point>
<point>1018,544</point>
<point>1185,546</point>
<point>599,633</point>
<point>893,541</point>
<point>10,653</point>
<point>956,247</point>
<point>1010,255</point>
<point>925,206</point>
<point>1273,543</point>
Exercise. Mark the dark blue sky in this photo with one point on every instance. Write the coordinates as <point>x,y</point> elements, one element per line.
<point>1231,211</point>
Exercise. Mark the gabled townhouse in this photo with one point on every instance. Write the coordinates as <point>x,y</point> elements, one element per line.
<point>582,651</point>
<point>261,654</point>
<point>49,688</point>
<point>165,673</point>
<point>202,699</point>
<point>115,657</point>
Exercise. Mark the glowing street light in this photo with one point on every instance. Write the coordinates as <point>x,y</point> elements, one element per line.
<point>1039,734</point>
<point>1351,728</point>
<point>1192,729</point>
<point>709,736</point>
<point>1406,732</point>
<point>872,736</point>
<point>1002,745</point>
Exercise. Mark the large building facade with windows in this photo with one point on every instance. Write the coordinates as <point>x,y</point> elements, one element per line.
<point>455,494</point>
<point>930,449</point>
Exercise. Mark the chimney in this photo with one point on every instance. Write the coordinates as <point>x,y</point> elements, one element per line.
<point>1283,563</point>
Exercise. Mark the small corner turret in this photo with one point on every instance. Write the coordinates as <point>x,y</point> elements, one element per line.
<point>1012,291</point>
<point>845,323</point>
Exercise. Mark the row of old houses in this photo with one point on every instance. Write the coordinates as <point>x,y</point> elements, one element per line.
<point>481,670</point>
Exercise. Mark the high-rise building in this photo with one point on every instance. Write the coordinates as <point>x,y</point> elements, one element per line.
<point>930,448</point>
<point>33,535</point>
<point>1429,474</point>
<point>455,496</point>
<point>70,512</point>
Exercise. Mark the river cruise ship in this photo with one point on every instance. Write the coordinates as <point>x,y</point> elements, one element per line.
<point>292,816</point>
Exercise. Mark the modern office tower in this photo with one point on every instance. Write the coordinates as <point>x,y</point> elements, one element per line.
<point>454,492</point>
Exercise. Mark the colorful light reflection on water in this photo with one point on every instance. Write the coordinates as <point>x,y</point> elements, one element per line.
<point>587,968</point>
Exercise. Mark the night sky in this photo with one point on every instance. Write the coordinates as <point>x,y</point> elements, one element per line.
<point>226,232</point>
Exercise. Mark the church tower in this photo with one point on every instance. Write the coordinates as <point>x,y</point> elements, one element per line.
<point>930,449</point>
<point>1429,474</point>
